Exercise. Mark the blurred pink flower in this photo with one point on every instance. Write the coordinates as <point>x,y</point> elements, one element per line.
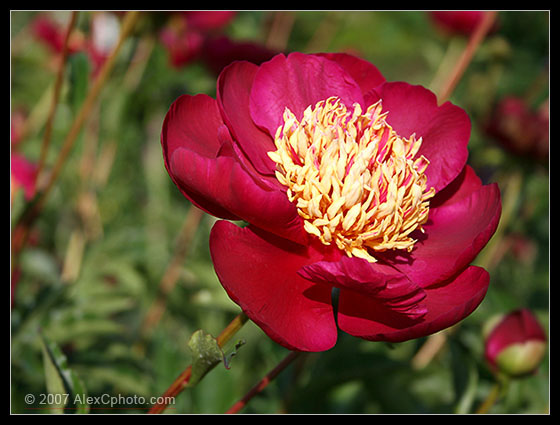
<point>182,46</point>
<point>50,33</point>
<point>185,32</point>
<point>219,52</point>
<point>19,117</point>
<point>104,33</point>
<point>519,129</point>
<point>22,176</point>
<point>208,20</point>
<point>457,21</point>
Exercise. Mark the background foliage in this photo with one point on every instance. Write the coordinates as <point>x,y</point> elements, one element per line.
<point>98,252</point>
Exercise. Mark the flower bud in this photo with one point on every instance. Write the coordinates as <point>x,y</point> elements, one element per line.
<point>516,344</point>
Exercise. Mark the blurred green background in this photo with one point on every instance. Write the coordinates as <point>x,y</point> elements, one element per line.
<point>88,289</point>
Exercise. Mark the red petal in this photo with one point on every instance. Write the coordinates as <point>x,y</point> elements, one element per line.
<point>445,129</point>
<point>184,127</point>
<point>234,87</point>
<point>259,272</point>
<point>455,233</point>
<point>193,123</point>
<point>205,166</point>
<point>386,285</point>
<point>364,73</point>
<point>224,183</point>
<point>296,82</point>
<point>446,305</point>
<point>463,186</point>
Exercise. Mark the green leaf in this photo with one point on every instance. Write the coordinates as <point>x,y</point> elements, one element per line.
<point>233,353</point>
<point>64,388</point>
<point>465,378</point>
<point>55,385</point>
<point>206,354</point>
<point>79,79</point>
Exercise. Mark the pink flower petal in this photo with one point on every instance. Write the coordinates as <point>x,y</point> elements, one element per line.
<point>463,186</point>
<point>181,130</point>
<point>455,233</point>
<point>234,87</point>
<point>386,285</point>
<point>296,82</point>
<point>259,272</point>
<point>223,182</point>
<point>192,122</point>
<point>446,305</point>
<point>364,73</point>
<point>203,163</point>
<point>445,129</point>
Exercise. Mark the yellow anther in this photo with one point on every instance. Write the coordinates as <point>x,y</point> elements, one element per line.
<point>354,180</point>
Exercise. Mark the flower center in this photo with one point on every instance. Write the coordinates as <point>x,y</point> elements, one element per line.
<point>354,180</point>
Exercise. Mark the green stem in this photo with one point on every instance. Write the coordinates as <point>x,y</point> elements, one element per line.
<point>491,399</point>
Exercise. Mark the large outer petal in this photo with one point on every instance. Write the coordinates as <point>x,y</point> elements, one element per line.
<point>223,181</point>
<point>446,305</point>
<point>456,231</point>
<point>259,272</point>
<point>182,130</point>
<point>201,160</point>
<point>296,82</point>
<point>445,129</point>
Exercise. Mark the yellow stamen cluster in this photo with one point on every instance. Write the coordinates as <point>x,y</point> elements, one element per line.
<point>354,180</point>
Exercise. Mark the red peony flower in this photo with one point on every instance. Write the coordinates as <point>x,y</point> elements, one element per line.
<point>516,344</point>
<point>347,181</point>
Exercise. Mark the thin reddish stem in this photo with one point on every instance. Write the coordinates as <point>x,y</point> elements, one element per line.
<point>171,275</point>
<point>56,94</point>
<point>263,383</point>
<point>182,380</point>
<point>474,42</point>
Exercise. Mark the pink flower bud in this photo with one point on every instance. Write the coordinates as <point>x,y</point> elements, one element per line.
<point>516,344</point>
